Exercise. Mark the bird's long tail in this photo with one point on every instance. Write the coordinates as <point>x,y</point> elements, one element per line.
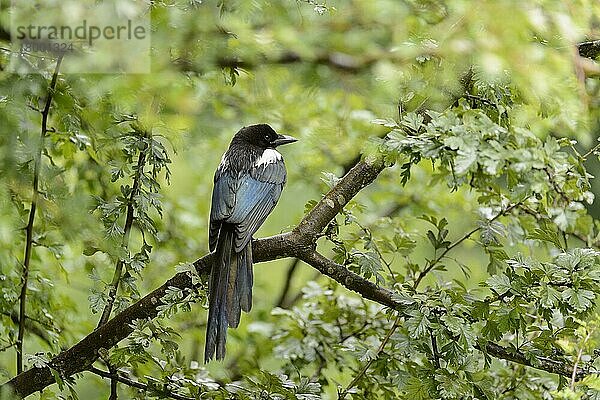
<point>230,291</point>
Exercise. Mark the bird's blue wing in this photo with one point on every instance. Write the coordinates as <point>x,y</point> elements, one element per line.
<point>245,199</point>
<point>223,201</point>
<point>257,194</point>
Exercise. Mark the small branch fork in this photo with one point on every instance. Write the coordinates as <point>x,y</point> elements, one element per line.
<point>29,229</point>
<point>299,243</point>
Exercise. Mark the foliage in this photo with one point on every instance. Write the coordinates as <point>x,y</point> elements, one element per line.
<point>483,227</point>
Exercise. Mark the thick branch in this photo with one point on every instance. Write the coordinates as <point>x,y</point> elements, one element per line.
<point>336,60</point>
<point>369,290</point>
<point>341,61</point>
<point>351,63</point>
<point>293,267</point>
<point>362,174</point>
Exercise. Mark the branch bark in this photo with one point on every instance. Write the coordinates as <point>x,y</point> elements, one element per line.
<point>545,364</point>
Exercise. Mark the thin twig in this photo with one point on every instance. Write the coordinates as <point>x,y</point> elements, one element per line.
<point>29,229</point>
<point>591,151</point>
<point>136,384</point>
<point>433,263</point>
<point>114,375</point>
<point>481,99</point>
<point>434,349</point>
<point>363,371</point>
<point>288,283</point>
<point>114,284</point>
<point>8,346</point>
<point>41,332</point>
<point>578,235</point>
<point>296,298</point>
<point>576,365</point>
<point>354,333</point>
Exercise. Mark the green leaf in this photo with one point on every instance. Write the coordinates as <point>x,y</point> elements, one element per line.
<point>412,121</point>
<point>579,299</point>
<point>549,296</point>
<point>491,231</point>
<point>546,234</point>
<point>491,330</point>
<point>499,283</point>
<point>417,324</point>
<point>369,264</point>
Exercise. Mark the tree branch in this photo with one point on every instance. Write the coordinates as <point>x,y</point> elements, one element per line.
<point>350,63</point>
<point>336,60</point>
<point>293,266</point>
<point>542,363</point>
<point>361,175</point>
<point>350,280</point>
<point>29,229</point>
<point>31,326</point>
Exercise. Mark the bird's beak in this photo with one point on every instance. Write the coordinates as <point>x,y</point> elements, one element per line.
<point>283,139</point>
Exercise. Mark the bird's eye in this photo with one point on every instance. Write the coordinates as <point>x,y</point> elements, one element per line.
<point>267,138</point>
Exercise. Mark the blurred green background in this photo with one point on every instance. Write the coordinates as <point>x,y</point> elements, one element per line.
<point>320,71</point>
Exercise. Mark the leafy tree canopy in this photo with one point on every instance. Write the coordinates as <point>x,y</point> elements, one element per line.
<point>439,216</point>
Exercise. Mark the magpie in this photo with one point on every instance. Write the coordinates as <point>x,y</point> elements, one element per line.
<point>247,185</point>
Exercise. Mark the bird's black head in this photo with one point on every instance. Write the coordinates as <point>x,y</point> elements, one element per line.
<point>263,136</point>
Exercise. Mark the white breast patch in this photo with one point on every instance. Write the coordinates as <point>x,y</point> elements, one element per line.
<point>224,160</point>
<point>269,156</point>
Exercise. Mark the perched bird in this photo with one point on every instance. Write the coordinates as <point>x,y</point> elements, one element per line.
<point>247,185</point>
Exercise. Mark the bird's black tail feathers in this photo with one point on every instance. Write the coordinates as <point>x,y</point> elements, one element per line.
<point>230,289</point>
